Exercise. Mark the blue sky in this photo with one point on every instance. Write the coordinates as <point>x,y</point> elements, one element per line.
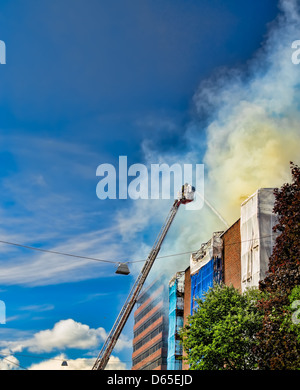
<point>86,82</point>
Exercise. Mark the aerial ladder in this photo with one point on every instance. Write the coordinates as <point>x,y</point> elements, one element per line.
<point>186,195</point>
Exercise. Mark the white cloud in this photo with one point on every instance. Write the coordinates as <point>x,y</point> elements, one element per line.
<point>114,363</point>
<point>64,335</point>
<point>9,363</point>
<point>55,363</point>
<point>76,364</point>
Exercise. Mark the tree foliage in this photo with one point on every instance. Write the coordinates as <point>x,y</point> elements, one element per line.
<point>279,346</point>
<point>220,334</point>
<point>259,328</point>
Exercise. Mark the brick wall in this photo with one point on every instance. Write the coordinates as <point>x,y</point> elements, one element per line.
<point>232,256</point>
<point>187,295</point>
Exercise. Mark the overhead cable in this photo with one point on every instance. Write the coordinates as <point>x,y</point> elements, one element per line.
<point>56,252</point>
<point>113,261</point>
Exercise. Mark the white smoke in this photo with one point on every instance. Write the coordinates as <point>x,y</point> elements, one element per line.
<point>252,132</point>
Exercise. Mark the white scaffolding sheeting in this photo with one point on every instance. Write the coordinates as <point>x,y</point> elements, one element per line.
<point>257,236</point>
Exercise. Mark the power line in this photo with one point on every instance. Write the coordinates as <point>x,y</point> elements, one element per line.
<point>34,356</point>
<point>197,250</point>
<point>112,261</point>
<point>56,252</point>
<point>4,357</point>
<point>85,257</point>
<point>16,364</point>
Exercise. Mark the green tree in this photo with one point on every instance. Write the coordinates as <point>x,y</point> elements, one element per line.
<point>220,333</point>
<point>279,344</point>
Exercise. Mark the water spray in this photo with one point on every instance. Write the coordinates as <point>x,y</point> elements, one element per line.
<point>213,209</point>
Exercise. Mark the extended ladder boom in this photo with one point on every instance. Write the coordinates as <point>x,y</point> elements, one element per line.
<point>103,357</point>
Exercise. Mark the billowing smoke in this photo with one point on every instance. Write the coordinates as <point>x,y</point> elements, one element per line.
<point>252,132</point>
<point>254,128</point>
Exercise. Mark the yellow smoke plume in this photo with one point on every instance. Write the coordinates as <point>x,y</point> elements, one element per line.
<point>253,151</point>
<point>254,131</point>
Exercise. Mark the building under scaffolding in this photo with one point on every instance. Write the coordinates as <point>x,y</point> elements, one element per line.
<point>151,328</point>
<point>206,268</point>
<point>257,236</point>
<point>176,303</point>
<point>238,256</point>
